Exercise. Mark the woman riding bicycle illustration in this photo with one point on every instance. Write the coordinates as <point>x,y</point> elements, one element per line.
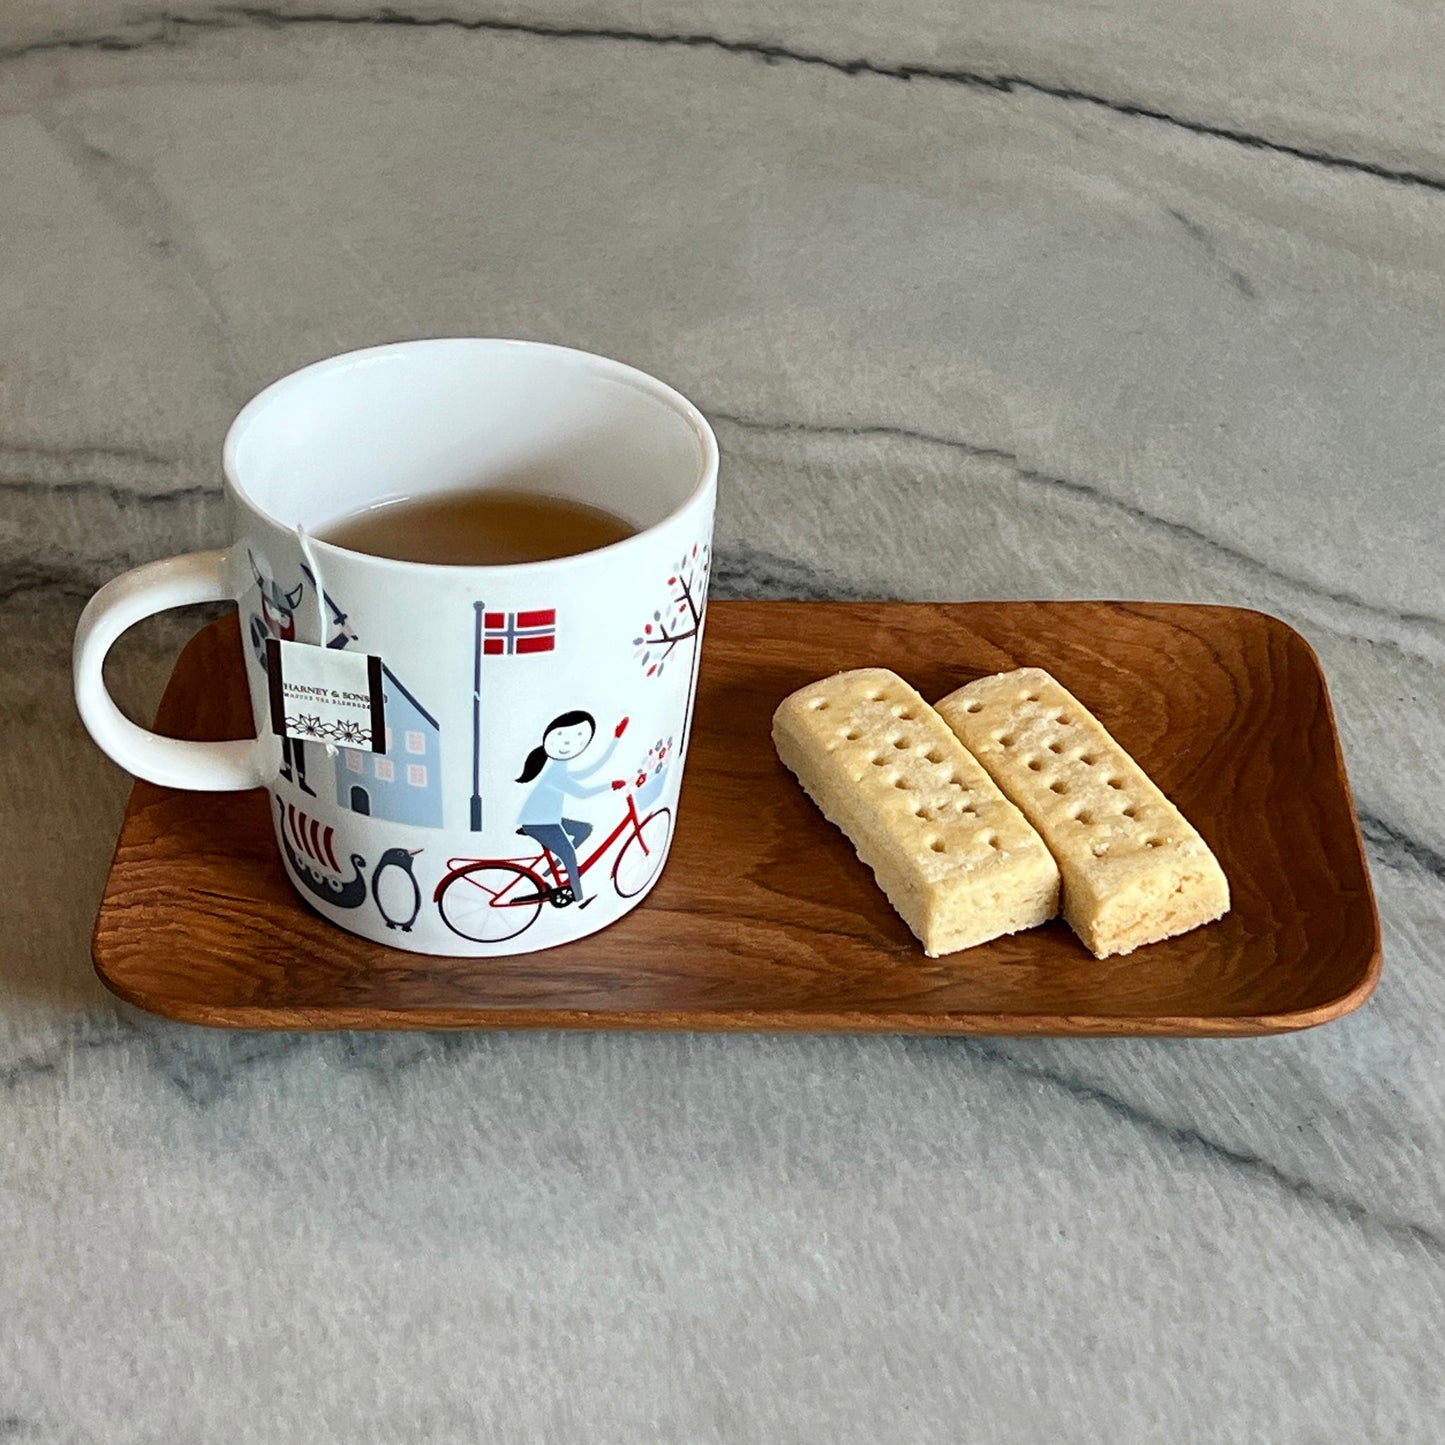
<point>564,738</point>
<point>489,900</point>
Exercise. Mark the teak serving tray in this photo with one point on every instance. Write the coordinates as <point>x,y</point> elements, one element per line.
<point>765,919</point>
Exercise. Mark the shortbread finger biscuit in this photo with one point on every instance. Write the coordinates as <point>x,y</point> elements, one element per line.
<point>1134,871</point>
<point>955,857</point>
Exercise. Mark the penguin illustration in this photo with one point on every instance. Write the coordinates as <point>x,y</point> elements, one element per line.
<point>395,889</point>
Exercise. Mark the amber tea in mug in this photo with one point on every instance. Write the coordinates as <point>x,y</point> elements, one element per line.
<point>484,528</point>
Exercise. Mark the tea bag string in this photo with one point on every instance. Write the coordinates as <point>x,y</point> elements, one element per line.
<point>308,555</point>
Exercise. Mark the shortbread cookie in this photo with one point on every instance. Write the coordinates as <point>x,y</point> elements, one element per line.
<point>955,857</point>
<point>1133,870</point>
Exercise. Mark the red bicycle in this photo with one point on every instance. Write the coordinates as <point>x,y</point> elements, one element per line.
<point>489,900</point>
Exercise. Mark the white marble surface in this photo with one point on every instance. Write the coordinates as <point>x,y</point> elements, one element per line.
<point>1137,299</point>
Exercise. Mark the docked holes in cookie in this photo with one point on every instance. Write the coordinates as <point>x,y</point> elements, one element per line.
<point>1058,786</point>
<point>938,845</point>
<point>818,704</point>
<point>1034,765</point>
<point>973,705</point>
<point>933,755</point>
<point>1116,783</point>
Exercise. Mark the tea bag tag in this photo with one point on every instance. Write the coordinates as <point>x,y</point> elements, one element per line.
<point>326,695</point>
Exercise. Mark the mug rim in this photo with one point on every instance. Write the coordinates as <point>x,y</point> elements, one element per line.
<point>601,365</point>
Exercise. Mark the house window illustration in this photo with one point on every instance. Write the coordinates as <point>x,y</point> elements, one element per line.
<point>403,784</point>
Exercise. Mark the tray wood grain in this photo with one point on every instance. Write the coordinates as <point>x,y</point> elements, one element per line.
<point>764,918</point>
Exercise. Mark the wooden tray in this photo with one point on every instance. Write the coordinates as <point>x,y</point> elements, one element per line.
<point>765,919</point>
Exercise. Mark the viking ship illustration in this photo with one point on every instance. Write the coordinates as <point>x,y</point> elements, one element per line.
<point>316,867</point>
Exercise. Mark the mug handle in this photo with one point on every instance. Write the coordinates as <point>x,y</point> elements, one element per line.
<point>122,602</point>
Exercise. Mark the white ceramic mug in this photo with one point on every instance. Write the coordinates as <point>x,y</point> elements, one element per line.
<point>550,696</point>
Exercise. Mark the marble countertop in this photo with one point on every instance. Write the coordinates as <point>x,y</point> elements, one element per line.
<point>1136,299</point>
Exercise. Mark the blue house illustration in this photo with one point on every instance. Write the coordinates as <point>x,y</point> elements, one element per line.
<point>403,784</point>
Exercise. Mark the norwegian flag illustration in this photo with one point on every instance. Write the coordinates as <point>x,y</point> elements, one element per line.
<point>515,632</point>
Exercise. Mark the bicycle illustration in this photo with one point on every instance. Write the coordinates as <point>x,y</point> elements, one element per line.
<point>489,900</point>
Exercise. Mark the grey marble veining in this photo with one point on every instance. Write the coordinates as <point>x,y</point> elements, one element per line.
<point>1140,301</point>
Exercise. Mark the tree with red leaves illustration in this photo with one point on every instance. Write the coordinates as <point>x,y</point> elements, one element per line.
<point>679,619</point>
